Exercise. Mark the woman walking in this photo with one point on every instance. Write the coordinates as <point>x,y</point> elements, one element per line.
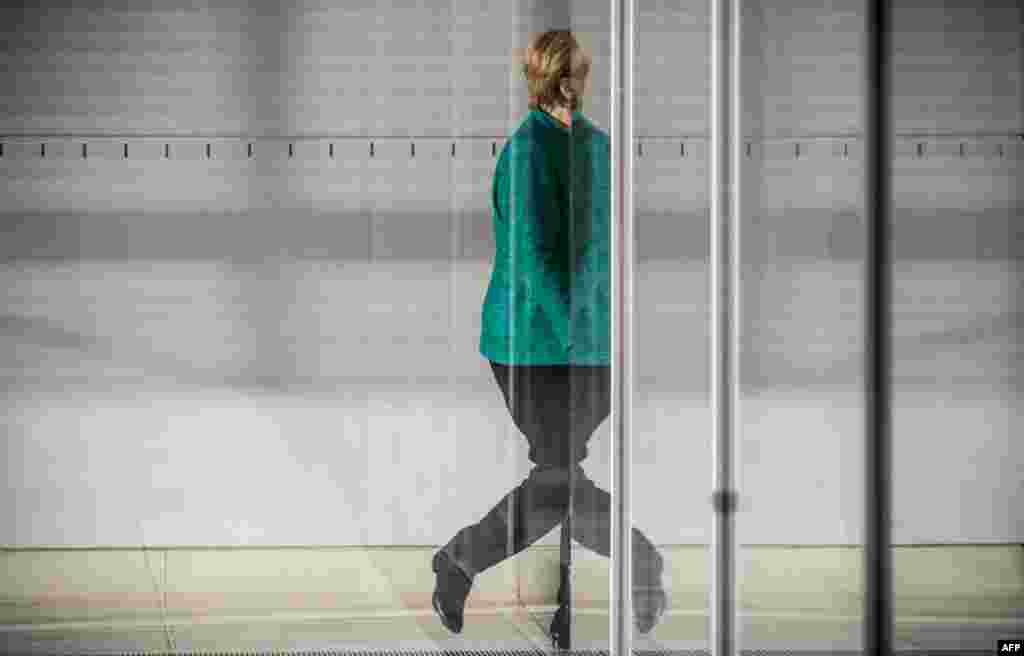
<point>545,332</point>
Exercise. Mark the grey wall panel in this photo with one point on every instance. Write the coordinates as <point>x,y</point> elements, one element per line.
<point>214,236</point>
<point>267,357</point>
<point>802,200</point>
<point>316,68</point>
<point>959,63</point>
<point>339,322</point>
<point>242,67</point>
<point>278,470</point>
<point>672,74</point>
<point>955,67</point>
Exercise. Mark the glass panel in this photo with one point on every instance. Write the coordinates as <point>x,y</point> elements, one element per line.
<point>801,430</point>
<point>671,443</point>
<point>251,360</point>
<point>566,395</point>
<point>957,279</point>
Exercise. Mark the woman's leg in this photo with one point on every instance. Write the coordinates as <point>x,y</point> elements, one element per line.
<point>537,505</point>
<point>537,398</point>
<point>557,408</point>
<point>553,406</point>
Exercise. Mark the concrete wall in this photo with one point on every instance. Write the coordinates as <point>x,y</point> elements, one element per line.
<point>193,347</point>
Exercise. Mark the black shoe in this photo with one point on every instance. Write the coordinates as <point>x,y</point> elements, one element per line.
<point>649,598</point>
<point>450,592</point>
<point>648,607</point>
<point>560,628</point>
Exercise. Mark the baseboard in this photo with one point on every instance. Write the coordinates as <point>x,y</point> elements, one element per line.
<point>112,585</point>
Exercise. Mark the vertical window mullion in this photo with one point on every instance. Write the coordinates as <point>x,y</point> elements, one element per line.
<point>622,256</point>
<point>878,617</point>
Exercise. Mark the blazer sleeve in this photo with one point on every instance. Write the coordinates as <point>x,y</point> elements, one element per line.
<point>528,195</point>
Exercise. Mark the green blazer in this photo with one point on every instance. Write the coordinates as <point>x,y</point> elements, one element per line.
<point>548,298</point>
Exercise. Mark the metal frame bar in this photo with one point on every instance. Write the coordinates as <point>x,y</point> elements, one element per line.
<point>878,619</point>
<point>623,13</point>
<point>724,179</point>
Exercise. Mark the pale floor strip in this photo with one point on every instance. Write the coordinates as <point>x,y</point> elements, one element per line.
<point>286,618</point>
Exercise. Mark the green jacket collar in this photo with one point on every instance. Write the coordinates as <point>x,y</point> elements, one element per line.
<point>551,121</point>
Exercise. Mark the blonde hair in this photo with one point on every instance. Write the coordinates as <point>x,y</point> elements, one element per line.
<point>551,57</point>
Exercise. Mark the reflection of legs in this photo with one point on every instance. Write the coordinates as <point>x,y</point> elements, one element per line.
<point>590,512</point>
<point>592,529</point>
<point>590,394</point>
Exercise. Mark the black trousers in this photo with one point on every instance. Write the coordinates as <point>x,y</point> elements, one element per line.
<point>557,408</point>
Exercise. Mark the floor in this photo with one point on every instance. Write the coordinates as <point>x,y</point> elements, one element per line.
<point>504,630</point>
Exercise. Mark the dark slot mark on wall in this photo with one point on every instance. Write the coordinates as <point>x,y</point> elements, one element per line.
<point>492,149</point>
<point>748,149</point>
<point>640,150</point>
<point>126,151</point>
<point>330,150</point>
<point>961,149</point>
<point>846,149</point>
<point>85,151</point>
<point>920,150</point>
<point>412,149</point>
<point>1000,150</point>
<point>682,149</point>
<point>797,149</point>
<point>249,150</point>
<point>167,151</point>
<point>371,149</point>
<point>207,151</point>
<point>453,149</point>
<point>1,150</point>
<point>42,150</point>
<point>291,150</point>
